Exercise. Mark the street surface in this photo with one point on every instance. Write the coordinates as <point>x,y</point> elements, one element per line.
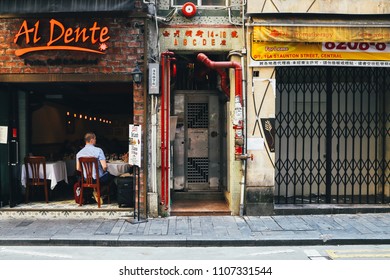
<point>347,252</point>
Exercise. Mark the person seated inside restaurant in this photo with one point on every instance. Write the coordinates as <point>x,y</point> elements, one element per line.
<point>90,150</point>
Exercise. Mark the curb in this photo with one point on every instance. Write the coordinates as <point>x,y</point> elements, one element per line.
<point>191,242</point>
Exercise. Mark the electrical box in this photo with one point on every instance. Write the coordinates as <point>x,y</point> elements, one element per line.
<point>154,78</point>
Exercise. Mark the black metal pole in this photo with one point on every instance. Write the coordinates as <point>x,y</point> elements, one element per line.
<point>137,187</point>
<point>328,135</point>
<point>134,188</point>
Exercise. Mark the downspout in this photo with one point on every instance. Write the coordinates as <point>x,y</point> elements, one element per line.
<point>165,119</point>
<point>162,137</point>
<point>244,155</point>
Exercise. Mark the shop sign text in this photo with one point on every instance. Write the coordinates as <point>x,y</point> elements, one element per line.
<point>201,38</point>
<point>83,39</point>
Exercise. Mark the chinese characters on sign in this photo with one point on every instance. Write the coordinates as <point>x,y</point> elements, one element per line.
<point>205,38</point>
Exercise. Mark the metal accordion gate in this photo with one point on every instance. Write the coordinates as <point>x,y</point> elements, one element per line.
<point>332,135</point>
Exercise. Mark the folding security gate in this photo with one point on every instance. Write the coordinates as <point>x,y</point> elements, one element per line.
<point>332,135</point>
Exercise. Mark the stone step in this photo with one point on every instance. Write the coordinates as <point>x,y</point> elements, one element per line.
<point>200,208</point>
<point>198,195</point>
<point>65,210</point>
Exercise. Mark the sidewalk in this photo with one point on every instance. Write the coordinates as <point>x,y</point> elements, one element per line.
<point>201,231</point>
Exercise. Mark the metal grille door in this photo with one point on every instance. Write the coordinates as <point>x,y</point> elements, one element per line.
<point>198,144</point>
<point>332,135</point>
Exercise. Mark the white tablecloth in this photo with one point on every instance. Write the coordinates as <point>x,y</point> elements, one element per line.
<point>55,171</point>
<point>117,168</point>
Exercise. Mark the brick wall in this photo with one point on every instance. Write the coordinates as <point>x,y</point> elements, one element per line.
<point>125,47</point>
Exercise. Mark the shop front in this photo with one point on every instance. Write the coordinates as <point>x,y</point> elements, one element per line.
<point>320,106</point>
<point>200,109</point>
<point>63,74</point>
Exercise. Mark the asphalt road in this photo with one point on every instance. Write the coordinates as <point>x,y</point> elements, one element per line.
<point>358,252</point>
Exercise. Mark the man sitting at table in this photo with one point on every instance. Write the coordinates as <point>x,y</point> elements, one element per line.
<point>90,150</point>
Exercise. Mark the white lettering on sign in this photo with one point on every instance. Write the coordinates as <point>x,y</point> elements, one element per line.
<point>201,38</point>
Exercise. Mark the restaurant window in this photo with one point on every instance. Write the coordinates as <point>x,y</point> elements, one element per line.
<point>210,3</point>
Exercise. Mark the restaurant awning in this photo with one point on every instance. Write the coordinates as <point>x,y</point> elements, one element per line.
<point>13,7</point>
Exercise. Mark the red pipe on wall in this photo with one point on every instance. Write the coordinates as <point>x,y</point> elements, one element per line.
<point>162,129</point>
<point>217,65</point>
<point>165,118</point>
<point>238,120</point>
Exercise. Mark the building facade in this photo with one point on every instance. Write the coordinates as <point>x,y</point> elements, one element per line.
<point>196,119</point>
<point>66,69</point>
<point>319,101</point>
<point>243,105</point>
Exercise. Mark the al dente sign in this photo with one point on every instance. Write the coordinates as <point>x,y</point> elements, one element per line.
<point>62,38</point>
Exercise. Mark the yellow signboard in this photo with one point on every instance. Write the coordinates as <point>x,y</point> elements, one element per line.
<point>354,54</point>
<point>320,34</point>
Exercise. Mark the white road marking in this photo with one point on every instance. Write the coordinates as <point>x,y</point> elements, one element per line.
<point>33,253</point>
<point>314,255</point>
<point>271,252</point>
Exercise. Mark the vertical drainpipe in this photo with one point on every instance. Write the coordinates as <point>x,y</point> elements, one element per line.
<point>244,155</point>
<point>162,128</point>
<point>244,114</point>
<point>165,119</point>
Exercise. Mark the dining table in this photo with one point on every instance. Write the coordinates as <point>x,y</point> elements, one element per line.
<point>55,172</point>
<point>118,167</point>
<point>114,167</point>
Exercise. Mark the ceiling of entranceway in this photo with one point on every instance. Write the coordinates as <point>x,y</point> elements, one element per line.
<point>99,98</point>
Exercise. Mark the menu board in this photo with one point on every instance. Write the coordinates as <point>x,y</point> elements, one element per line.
<point>135,140</point>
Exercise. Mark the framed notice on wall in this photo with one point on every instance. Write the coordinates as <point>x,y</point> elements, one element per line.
<point>3,134</point>
<point>135,140</point>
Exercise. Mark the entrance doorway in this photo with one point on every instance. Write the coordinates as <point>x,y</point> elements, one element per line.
<point>52,120</point>
<point>332,135</point>
<point>199,145</point>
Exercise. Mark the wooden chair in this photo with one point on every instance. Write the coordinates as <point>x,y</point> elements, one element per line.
<point>33,164</point>
<point>88,166</point>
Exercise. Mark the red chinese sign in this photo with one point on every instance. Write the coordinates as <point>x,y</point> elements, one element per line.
<point>202,38</point>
